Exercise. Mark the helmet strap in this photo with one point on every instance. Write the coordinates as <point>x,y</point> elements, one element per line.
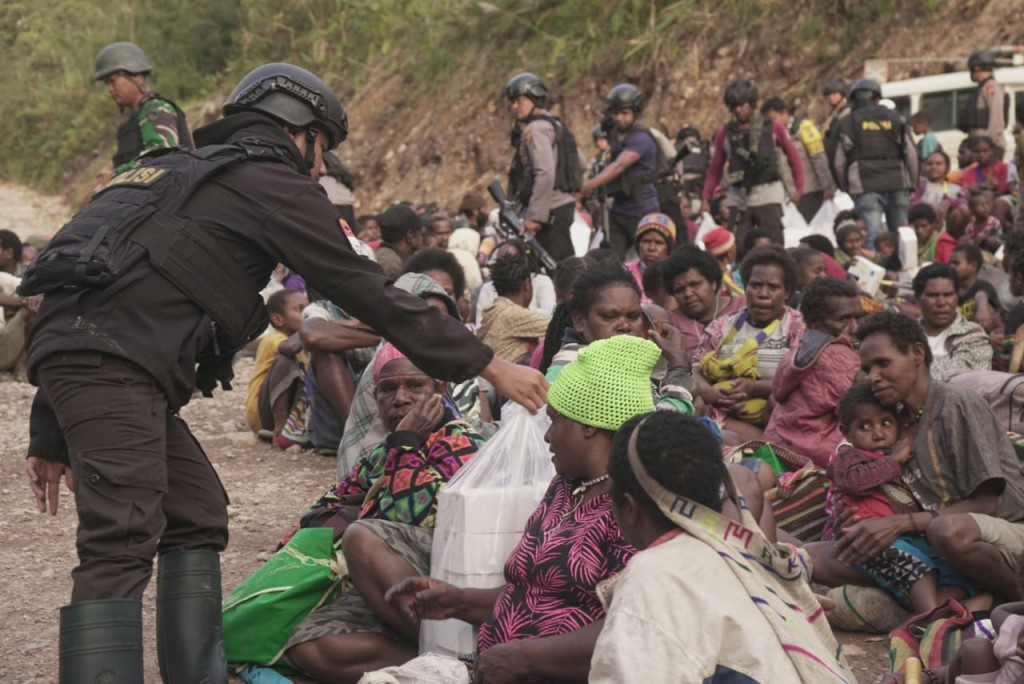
<point>312,133</point>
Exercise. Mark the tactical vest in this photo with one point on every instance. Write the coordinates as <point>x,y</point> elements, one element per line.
<point>749,165</point>
<point>877,134</point>
<point>627,185</point>
<point>137,216</point>
<point>975,112</point>
<point>568,170</point>
<point>129,135</point>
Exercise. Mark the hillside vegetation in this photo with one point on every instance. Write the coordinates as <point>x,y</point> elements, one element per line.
<point>422,79</point>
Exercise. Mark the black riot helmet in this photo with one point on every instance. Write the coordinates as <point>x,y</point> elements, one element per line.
<point>528,85</point>
<point>740,91</point>
<point>981,59</point>
<point>835,85</point>
<point>865,90</point>
<point>625,96</point>
<point>294,96</point>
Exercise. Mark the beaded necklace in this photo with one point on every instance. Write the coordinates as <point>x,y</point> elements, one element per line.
<point>579,491</point>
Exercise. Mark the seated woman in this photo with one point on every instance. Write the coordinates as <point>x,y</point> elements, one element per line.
<point>364,429</point>
<point>507,326</point>
<point>655,238</point>
<point>989,173</point>
<point>541,626</point>
<point>694,278</point>
<point>735,363</point>
<point>398,484</point>
<point>604,302</point>
<point>955,342</point>
<point>705,599</point>
<point>811,378</point>
<point>963,472</point>
<point>934,189</point>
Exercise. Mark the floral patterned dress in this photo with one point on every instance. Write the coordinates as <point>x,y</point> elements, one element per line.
<point>552,576</point>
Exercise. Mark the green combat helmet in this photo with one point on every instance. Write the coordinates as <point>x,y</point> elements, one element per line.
<point>124,56</point>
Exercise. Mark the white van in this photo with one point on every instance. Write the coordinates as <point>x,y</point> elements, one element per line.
<point>944,95</point>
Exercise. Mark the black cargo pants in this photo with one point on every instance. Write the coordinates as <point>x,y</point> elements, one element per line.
<point>142,483</point>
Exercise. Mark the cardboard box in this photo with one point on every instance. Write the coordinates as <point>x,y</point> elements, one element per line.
<point>453,638</point>
<point>488,509</point>
<point>473,554</point>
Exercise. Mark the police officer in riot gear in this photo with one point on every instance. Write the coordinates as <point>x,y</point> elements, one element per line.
<point>185,242</point>
<point>153,121</point>
<point>875,159</point>
<point>538,174</point>
<point>751,144</point>
<point>985,112</point>
<point>629,179</point>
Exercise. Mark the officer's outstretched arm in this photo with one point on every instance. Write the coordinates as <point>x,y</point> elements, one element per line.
<point>521,384</point>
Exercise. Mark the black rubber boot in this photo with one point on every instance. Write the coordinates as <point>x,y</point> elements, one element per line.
<point>190,643</point>
<point>101,642</point>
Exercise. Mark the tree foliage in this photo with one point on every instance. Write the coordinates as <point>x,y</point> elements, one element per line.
<point>55,121</point>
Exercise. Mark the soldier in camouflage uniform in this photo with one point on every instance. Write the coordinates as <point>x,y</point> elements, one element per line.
<point>154,121</point>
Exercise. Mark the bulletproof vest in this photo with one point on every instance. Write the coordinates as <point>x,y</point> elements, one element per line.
<point>975,112</point>
<point>137,217</point>
<point>568,170</point>
<point>752,157</point>
<point>129,135</point>
<point>628,183</point>
<point>877,134</point>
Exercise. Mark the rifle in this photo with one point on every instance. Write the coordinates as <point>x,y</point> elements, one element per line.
<point>511,226</point>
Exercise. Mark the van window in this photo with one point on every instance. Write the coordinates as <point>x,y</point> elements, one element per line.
<point>902,106</point>
<point>945,106</point>
<point>1018,105</point>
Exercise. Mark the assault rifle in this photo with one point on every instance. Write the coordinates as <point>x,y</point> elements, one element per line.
<point>510,224</point>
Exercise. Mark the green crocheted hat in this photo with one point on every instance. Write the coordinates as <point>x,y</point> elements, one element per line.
<point>608,383</point>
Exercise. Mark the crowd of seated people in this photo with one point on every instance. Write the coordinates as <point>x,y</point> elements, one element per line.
<point>665,367</point>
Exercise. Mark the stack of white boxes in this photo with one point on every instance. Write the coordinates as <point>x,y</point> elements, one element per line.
<point>476,531</point>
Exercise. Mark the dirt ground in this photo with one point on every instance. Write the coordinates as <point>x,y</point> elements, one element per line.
<point>268,489</point>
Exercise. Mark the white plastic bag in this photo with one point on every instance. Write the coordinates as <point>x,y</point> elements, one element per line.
<point>825,218</point>
<point>794,226</point>
<point>481,515</point>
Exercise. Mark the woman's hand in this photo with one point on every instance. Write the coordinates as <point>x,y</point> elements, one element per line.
<point>423,598</point>
<point>747,387</point>
<point>501,664</point>
<point>672,345</point>
<point>423,417</point>
<point>863,540</point>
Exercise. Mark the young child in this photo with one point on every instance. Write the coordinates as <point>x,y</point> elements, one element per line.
<point>921,124</point>
<point>507,326</point>
<point>277,376</point>
<point>886,249</point>
<point>979,301</point>
<point>983,226</point>
<point>997,661</point>
<point>866,472</point>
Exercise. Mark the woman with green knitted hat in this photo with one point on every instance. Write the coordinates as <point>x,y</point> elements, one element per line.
<point>542,625</point>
